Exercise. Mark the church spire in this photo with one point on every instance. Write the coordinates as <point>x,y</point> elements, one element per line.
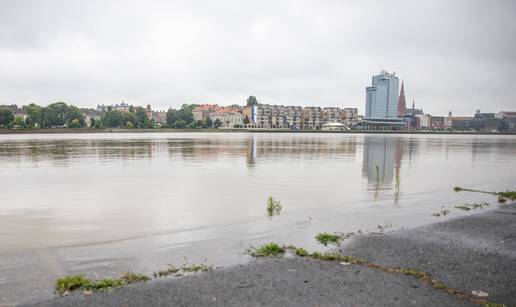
<point>402,106</point>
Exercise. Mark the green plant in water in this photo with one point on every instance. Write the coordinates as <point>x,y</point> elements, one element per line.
<point>502,196</point>
<point>442,212</point>
<point>467,207</point>
<point>273,206</point>
<point>326,238</point>
<point>508,194</point>
<point>458,189</point>
<point>267,250</point>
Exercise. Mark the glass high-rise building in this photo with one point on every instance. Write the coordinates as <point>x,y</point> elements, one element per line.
<point>382,96</point>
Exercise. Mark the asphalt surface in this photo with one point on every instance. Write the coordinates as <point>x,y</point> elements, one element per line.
<point>471,253</point>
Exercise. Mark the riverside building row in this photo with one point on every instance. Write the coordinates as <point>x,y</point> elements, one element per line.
<point>257,115</point>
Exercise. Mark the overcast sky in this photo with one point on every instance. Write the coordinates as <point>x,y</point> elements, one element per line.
<point>452,55</point>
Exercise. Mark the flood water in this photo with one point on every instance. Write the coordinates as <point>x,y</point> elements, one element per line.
<point>102,204</point>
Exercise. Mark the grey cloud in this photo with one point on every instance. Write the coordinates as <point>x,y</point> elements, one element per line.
<point>453,55</point>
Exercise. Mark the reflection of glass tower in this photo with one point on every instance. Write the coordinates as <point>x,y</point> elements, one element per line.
<point>381,157</point>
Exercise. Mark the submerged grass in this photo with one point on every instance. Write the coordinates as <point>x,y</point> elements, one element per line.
<point>467,207</point>
<point>502,196</point>
<point>326,238</point>
<point>267,250</point>
<point>273,206</point>
<point>508,194</point>
<point>442,212</point>
<point>70,283</point>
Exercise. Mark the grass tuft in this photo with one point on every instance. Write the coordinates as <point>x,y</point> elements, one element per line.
<point>267,250</point>
<point>130,278</point>
<point>414,272</point>
<point>70,283</point>
<point>195,268</point>
<point>165,272</point>
<point>105,284</point>
<point>326,238</point>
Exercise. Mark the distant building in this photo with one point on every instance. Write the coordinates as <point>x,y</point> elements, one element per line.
<point>312,118</point>
<point>334,127</point>
<point>124,107</point>
<point>436,123</point>
<point>228,117</point>
<point>10,107</point>
<point>483,116</point>
<point>382,96</point>
<point>89,114</point>
<point>505,114</point>
<point>382,104</point>
<point>424,120</point>
<point>202,111</point>
<point>350,114</point>
<point>402,106</point>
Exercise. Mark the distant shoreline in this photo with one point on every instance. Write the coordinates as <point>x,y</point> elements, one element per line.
<point>205,130</point>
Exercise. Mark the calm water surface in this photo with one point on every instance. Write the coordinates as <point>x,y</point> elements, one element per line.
<point>103,203</point>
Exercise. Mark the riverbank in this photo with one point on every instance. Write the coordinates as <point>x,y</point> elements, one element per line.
<point>205,130</point>
<point>465,254</point>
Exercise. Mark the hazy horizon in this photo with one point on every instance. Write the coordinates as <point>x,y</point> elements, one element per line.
<point>452,55</point>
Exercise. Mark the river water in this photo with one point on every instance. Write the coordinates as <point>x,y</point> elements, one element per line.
<point>102,204</point>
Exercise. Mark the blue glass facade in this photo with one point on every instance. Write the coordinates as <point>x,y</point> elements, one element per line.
<point>382,96</point>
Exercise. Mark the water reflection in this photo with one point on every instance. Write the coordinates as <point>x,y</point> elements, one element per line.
<point>382,161</point>
<point>251,147</point>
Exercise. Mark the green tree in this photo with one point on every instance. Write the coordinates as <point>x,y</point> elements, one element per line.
<point>34,115</point>
<point>6,117</point>
<point>172,117</point>
<point>246,120</point>
<point>60,114</point>
<point>74,113</point>
<point>129,125</point>
<point>131,109</point>
<point>75,123</point>
<point>18,121</point>
<point>200,124</point>
<point>55,115</point>
<point>185,113</point>
<point>92,122</point>
<point>217,123</point>
<point>208,122</point>
<point>140,118</point>
<point>180,124</point>
<point>252,101</point>
<point>115,118</point>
